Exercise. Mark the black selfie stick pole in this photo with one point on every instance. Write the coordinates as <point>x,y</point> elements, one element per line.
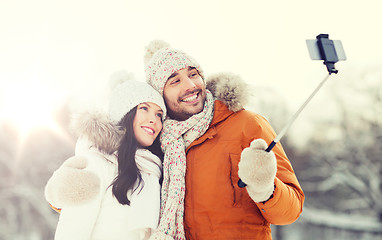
<point>329,55</point>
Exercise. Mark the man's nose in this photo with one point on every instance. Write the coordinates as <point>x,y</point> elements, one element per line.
<point>189,84</point>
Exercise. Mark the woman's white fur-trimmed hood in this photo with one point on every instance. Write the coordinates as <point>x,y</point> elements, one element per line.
<point>98,128</point>
<point>229,88</point>
<point>106,136</point>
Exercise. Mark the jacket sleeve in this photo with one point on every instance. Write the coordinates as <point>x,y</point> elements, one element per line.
<point>77,221</point>
<point>285,205</point>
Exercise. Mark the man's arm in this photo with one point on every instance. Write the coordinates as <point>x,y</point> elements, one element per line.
<point>284,204</point>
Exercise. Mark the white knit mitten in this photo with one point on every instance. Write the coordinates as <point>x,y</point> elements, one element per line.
<point>71,184</point>
<point>257,168</point>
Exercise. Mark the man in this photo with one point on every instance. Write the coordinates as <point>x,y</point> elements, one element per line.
<point>210,142</point>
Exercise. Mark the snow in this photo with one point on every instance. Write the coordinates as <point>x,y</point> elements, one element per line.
<point>341,220</point>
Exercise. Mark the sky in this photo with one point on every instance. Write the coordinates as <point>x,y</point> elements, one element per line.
<point>52,51</point>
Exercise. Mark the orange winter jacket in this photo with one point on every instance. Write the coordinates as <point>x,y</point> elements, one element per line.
<point>215,207</point>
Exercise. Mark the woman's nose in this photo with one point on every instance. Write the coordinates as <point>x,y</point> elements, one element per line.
<point>153,118</point>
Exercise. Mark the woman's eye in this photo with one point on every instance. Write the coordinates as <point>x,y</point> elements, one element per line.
<point>144,108</point>
<point>159,115</point>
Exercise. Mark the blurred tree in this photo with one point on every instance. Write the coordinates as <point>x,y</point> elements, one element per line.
<point>269,103</point>
<point>343,155</point>
<point>25,167</point>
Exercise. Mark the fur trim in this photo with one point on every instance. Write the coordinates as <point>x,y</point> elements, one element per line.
<point>230,89</point>
<point>99,129</point>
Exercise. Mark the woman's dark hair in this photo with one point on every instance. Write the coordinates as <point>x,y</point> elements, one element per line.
<point>128,172</point>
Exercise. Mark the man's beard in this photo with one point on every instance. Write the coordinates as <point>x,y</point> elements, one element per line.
<point>182,114</point>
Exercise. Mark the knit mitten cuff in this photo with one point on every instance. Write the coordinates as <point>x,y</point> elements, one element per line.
<point>260,196</point>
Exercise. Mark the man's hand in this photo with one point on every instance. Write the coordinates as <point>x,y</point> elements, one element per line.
<point>257,168</point>
<point>72,184</point>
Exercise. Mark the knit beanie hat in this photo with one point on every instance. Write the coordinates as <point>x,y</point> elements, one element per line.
<point>161,61</point>
<point>127,93</point>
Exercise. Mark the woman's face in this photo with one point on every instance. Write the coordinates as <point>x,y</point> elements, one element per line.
<point>147,123</point>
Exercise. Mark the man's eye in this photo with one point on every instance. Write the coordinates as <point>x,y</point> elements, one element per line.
<point>194,74</point>
<point>175,81</point>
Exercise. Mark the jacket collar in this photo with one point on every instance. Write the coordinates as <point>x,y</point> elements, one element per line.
<point>221,112</point>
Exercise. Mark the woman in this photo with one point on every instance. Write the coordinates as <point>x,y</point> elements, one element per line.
<point>110,189</point>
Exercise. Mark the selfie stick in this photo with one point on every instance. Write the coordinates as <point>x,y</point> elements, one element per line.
<point>328,54</point>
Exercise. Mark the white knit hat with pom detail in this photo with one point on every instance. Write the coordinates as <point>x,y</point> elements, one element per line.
<point>126,93</point>
<point>161,61</point>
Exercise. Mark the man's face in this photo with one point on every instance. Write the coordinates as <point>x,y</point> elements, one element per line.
<point>184,94</point>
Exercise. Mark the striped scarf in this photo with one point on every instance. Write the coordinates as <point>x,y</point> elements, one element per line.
<point>175,138</point>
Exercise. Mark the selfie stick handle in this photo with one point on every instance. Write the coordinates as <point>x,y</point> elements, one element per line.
<point>285,129</point>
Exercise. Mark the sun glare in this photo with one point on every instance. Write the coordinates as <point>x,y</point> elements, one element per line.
<point>28,106</point>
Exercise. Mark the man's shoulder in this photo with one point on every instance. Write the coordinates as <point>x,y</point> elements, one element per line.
<point>245,120</point>
<point>242,116</point>
<point>250,116</point>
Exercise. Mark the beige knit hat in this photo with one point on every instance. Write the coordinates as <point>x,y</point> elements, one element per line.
<point>127,93</point>
<point>161,61</point>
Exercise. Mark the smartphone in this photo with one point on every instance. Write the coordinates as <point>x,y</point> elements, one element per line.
<point>336,48</point>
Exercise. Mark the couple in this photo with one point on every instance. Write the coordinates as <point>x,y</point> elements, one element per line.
<point>111,188</point>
